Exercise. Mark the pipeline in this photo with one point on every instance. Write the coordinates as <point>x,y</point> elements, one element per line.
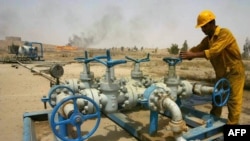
<point>111,93</point>
<point>51,79</point>
<point>108,95</point>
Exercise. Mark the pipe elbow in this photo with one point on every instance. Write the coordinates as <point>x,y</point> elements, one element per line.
<point>174,109</point>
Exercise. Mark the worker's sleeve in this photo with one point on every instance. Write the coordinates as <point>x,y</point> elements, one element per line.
<point>201,47</point>
<point>220,42</point>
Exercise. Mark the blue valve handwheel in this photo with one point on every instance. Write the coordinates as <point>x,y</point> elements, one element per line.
<point>172,61</point>
<point>54,88</point>
<point>139,60</point>
<point>76,119</point>
<point>109,63</point>
<point>221,92</point>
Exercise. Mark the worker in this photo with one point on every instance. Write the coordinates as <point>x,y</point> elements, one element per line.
<point>220,47</point>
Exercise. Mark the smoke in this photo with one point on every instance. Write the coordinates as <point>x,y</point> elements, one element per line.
<point>116,26</point>
<point>111,23</point>
<point>99,31</point>
<point>9,18</point>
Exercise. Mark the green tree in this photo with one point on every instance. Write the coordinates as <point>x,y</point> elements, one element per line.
<point>141,48</point>
<point>246,49</point>
<point>174,49</point>
<point>135,48</point>
<point>184,46</point>
<point>156,49</point>
<point>122,48</point>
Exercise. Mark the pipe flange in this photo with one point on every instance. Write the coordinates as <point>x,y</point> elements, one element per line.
<point>178,126</point>
<point>156,99</point>
<point>56,91</point>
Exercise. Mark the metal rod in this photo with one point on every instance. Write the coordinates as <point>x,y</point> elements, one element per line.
<point>40,73</point>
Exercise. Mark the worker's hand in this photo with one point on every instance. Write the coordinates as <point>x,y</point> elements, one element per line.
<point>186,55</point>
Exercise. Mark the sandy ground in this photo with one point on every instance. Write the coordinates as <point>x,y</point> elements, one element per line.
<point>21,91</point>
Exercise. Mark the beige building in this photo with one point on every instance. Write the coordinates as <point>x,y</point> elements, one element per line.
<point>9,40</point>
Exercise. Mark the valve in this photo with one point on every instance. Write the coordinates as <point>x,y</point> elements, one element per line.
<point>221,92</point>
<point>172,61</point>
<point>136,73</point>
<point>87,76</point>
<point>87,60</point>
<point>76,118</point>
<point>109,86</point>
<point>139,60</point>
<point>57,89</point>
<point>109,63</point>
<point>171,79</point>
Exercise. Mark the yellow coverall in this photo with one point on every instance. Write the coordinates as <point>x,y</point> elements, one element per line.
<point>223,52</point>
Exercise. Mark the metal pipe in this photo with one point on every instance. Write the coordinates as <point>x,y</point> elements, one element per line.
<point>202,90</point>
<point>177,125</point>
<point>28,130</point>
<point>67,109</point>
<point>173,108</point>
<point>179,138</point>
<point>40,73</point>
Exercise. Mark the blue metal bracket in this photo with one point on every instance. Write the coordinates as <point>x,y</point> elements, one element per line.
<point>212,125</point>
<point>28,123</point>
<point>153,125</point>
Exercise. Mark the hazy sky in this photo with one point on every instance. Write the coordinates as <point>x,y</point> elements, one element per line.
<point>108,23</point>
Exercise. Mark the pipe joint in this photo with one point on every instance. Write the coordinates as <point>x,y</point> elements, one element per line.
<point>177,126</point>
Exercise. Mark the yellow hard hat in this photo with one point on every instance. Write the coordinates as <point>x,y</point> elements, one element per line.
<point>204,17</point>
